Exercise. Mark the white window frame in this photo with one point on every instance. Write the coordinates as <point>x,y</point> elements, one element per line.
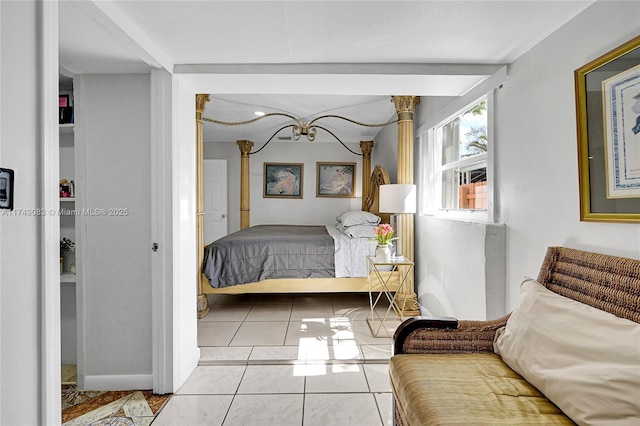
<point>430,155</point>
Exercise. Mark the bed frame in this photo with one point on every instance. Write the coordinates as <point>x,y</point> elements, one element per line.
<point>371,181</point>
<point>315,285</point>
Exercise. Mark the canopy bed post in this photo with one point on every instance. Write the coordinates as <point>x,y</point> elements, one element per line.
<point>202,302</point>
<point>245,190</point>
<point>366,147</point>
<point>405,108</point>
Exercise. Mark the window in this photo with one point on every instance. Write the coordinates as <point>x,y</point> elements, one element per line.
<point>455,153</point>
<point>455,156</point>
<point>463,144</point>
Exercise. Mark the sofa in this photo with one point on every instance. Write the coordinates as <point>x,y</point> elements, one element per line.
<point>569,353</point>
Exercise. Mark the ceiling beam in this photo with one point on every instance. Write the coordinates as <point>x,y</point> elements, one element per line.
<point>109,16</point>
<point>338,79</point>
<point>352,68</point>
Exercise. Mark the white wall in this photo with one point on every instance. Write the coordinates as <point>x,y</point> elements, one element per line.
<point>460,268</point>
<point>113,136</point>
<point>20,240</point>
<point>537,165</point>
<point>309,210</point>
<point>537,199</point>
<point>459,264</point>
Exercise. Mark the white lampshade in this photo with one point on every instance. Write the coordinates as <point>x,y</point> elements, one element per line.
<point>397,198</point>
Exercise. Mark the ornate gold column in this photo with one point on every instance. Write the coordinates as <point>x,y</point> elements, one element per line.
<point>405,108</point>
<point>201,103</point>
<point>245,199</point>
<point>366,147</point>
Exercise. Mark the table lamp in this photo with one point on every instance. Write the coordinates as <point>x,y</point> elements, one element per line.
<point>397,199</point>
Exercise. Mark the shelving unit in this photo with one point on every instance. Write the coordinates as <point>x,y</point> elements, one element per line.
<point>67,171</point>
<point>66,128</point>
<point>68,279</point>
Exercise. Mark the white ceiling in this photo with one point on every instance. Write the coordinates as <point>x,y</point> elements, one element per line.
<point>428,48</point>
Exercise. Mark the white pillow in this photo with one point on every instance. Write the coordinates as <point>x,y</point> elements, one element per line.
<point>358,217</point>
<point>357,231</point>
<point>586,361</point>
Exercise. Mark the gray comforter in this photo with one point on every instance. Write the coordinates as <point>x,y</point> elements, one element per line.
<point>270,251</point>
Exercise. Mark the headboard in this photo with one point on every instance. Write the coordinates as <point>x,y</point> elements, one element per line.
<point>379,176</point>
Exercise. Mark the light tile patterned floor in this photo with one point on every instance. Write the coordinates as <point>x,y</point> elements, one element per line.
<point>286,360</point>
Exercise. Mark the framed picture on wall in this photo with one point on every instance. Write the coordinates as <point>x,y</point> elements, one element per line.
<point>622,133</point>
<point>283,180</point>
<point>608,119</point>
<point>335,180</point>
<point>63,101</point>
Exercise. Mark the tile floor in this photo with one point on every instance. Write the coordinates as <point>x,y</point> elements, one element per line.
<point>286,360</point>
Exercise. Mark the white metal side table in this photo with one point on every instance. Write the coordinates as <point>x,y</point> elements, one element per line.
<point>382,278</point>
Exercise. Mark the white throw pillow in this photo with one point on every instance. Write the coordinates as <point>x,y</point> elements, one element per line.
<point>358,217</point>
<point>357,231</point>
<point>586,361</point>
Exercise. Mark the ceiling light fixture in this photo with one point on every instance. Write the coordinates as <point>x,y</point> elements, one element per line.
<point>300,128</point>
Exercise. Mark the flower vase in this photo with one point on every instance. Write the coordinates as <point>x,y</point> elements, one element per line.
<point>383,253</point>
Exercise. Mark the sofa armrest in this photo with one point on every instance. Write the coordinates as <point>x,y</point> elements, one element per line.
<point>445,335</point>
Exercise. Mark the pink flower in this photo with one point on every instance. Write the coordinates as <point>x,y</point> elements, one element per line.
<point>383,233</point>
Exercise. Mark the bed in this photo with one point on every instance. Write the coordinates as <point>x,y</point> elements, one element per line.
<point>297,258</point>
<point>405,107</point>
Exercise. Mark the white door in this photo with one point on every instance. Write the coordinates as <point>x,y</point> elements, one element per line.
<point>215,200</point>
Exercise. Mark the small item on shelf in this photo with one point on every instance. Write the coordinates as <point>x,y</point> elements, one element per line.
<point>66,115</point>
<point>66,245</point>
<point>65,188</point>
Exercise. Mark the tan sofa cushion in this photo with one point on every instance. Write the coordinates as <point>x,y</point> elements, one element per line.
<point>466,389</point>
<point>585,360</point>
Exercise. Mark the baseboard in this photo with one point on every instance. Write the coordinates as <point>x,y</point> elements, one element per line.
<point>119,382</point>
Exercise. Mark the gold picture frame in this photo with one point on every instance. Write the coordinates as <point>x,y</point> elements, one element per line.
<point>283,180</point>
<point>335,180</point>
<point>602,100</point>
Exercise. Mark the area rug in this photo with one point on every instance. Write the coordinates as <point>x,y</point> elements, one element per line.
<point>118,408</point>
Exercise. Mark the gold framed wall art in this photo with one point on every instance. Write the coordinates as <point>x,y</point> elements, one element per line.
<point>283,180</point>
<point>335,180</point>
<point>608,125</point>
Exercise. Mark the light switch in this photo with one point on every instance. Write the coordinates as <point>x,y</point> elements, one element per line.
<point>6,189</point>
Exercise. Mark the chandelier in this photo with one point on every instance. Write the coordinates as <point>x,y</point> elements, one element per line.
<point>300,128</point>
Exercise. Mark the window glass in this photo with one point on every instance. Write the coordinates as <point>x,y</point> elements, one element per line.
<point>463,169</point>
